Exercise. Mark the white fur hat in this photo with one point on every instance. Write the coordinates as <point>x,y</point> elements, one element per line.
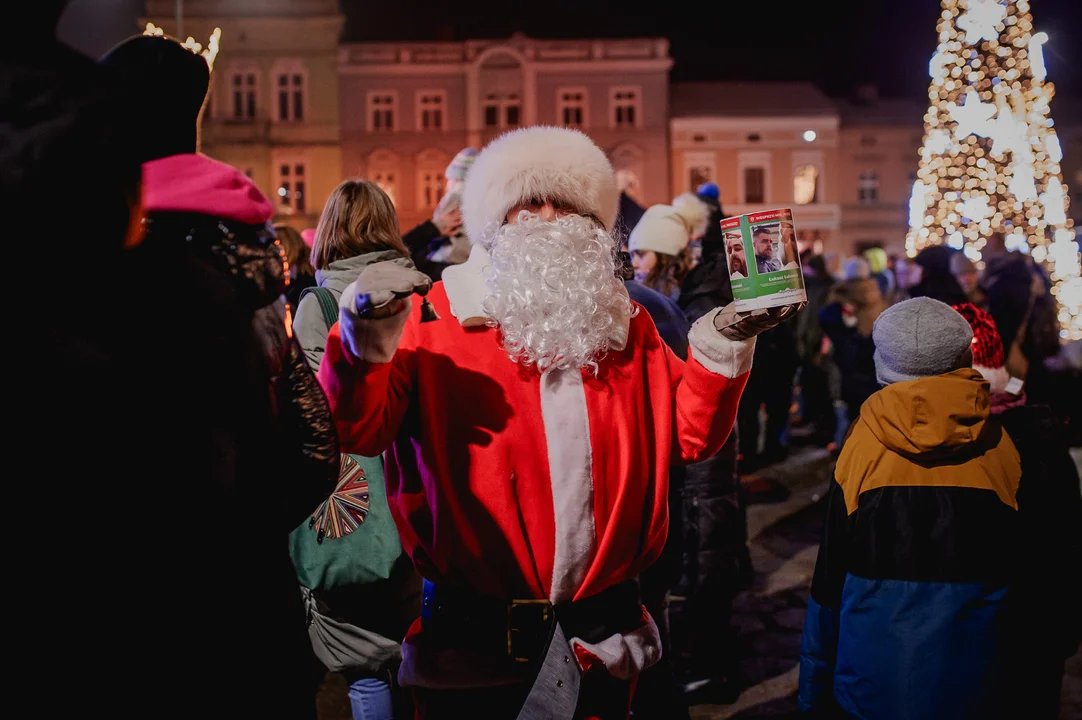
<point>662,229</point>
<point>546,163</point>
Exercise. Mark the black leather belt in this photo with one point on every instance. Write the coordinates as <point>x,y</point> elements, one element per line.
<point>456,617</point>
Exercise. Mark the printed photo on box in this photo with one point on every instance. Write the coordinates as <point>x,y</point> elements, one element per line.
<point>738,260</point>
<point>764,261</point>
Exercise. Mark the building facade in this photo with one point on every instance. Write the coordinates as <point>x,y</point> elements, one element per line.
<point>877,159</point>
<point>298,111</point>
<point>845,167</point>
<point>766,145</point>
<point>408,108</point>
<point>273,109</point>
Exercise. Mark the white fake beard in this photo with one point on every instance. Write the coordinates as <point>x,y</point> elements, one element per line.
<point>554,293</point>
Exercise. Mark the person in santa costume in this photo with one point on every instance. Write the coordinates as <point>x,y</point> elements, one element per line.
<point>529,413</point>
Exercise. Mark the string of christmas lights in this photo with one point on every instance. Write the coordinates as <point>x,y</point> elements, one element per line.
<point>212,44</point>
<point>990,162</point>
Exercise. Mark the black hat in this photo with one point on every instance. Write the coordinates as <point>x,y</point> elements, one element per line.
<point>173,82</point>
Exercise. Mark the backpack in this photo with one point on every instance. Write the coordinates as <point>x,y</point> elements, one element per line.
<point>351,538</point>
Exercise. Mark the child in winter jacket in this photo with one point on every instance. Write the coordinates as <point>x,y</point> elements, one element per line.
<point>912,611</point>
<point>357,618</point>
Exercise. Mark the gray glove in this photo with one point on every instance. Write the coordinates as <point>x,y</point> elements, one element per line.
<point>744,325</point>
<point>382,291</point>
<point>378,286</point>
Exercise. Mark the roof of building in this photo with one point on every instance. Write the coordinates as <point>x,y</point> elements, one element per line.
<point>884,111</point>
<point>747,99</point>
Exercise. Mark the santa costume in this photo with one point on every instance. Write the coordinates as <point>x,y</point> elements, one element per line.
<point>528,498</point>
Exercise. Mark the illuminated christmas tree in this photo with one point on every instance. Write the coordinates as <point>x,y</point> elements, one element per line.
<point>991,157</point>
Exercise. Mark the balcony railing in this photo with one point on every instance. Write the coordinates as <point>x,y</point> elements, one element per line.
<point>263,130</point>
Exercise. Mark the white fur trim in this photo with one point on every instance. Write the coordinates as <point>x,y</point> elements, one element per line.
<point>466,288</point>
<point>661,230</point>
<point>548,163</point>
<point>996,377</point>
<point>571,467</point>
<point>627,655</point>
<point>717,353</point>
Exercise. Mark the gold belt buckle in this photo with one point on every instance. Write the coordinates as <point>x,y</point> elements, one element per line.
<point>522,614</point>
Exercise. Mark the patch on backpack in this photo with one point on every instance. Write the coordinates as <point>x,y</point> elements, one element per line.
<point>346,508</point>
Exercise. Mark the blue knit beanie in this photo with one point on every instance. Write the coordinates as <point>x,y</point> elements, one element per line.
<point>708,190</point>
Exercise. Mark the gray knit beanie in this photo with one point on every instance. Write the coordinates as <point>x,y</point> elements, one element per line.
<point>920,338</point>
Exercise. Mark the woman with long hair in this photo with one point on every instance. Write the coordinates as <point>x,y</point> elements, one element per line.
<point>360,587</point>
<point>659,245</point>
<point>358,227</point>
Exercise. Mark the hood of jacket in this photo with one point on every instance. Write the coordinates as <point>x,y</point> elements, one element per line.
<point>194,183</point>
<point>930,418</point>
<point>340,273</point>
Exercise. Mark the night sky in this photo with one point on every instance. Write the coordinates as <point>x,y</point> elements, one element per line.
<point>837,45</point>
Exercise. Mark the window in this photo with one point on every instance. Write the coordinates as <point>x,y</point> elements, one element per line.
<point>699,168</point>
<point>628,160</point>
<point>431,106</point>
<point>753,177</point>
<point>292,88</point>
<point>502,111</point>
<point>383,170</point>
<point>571,107</point>
<point>244,85</point>
<point>292,196</point>
<point>429,188</point>
<point>805,184</point>
<point>382,111</point>
<point>386,182</point>
<point>626,105</point>
<point>807,177</point>
<point>868,189</point>
<point>754,185</point>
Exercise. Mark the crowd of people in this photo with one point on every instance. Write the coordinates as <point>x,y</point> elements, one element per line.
<point>466,466</point>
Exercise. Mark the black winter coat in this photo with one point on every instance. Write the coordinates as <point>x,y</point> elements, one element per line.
<point>421,241</point>
<point>1048,627</point>
<point>153,524</point>
<point>302,445</point>
<point>270,451</point>
<point>706,287</point>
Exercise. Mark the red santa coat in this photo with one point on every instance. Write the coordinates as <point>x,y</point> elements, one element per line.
<point>522,485</point>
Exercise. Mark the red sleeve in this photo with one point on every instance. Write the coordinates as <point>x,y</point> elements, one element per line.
<point>704,410</point>
<point>368,400</point>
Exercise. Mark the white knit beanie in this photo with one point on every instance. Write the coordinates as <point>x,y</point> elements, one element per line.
<point>661,229</point>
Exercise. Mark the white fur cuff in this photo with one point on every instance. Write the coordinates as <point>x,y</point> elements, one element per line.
<point>627,655</point>
<point>717,353</point>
